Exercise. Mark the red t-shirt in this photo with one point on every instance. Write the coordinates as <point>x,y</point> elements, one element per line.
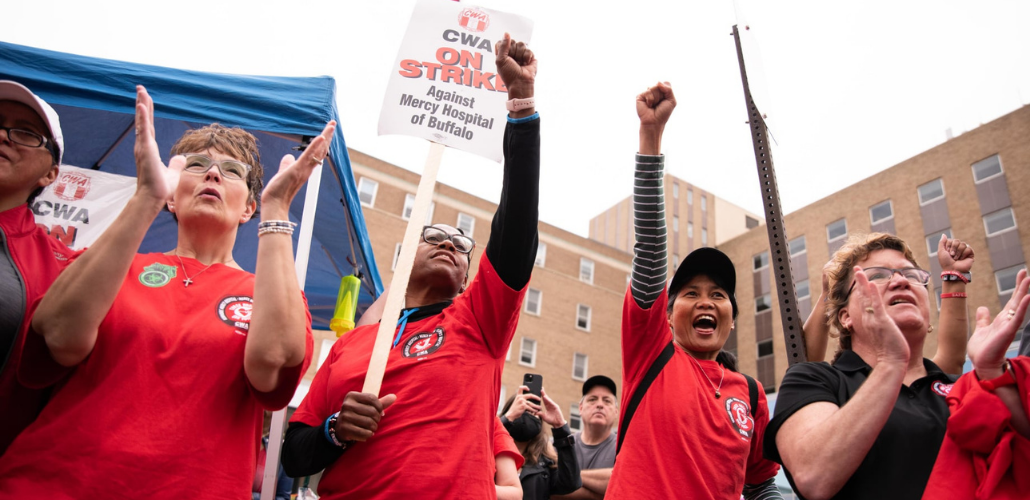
<point>162,407</point>
<point>982,455</point>
<point>683,442</point>
<point>436,440</point>
<point>505,445</point>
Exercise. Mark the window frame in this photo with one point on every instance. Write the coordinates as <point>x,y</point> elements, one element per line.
<point>541,254</point>
<point>757,258</point>
<point>767,296</point>
<point>808,285</point>
<point>690,229</point>
<point>539,301</point>
<point>842,236</point>
<point>890,205</point>
<point>472,224</point>
<point>590,278</point>
<point>758,349</point>
<point>704,236</point>
<point>575,419</point>
<point>1014,226</point>
<point>997,278</point>
<point>1001,169</point>
<point>375,191</point>
<point>590,313</point>
<point>790,248</point>
<point>586,365</point>
<point>919,192</point>
<point>931,248</point>
<point>522,350</point>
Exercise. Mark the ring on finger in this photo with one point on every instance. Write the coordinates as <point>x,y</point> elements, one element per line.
<point>1012,313</point>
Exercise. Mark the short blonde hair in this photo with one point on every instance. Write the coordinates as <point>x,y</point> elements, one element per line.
<point>855,249</point>
<point>235,142</point>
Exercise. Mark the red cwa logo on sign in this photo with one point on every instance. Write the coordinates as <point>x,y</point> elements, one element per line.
<point>474,20</point>
<point>72,186</point>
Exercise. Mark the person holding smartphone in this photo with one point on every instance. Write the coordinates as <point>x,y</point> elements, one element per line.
<point>443,376</point>
<point>548,470</point>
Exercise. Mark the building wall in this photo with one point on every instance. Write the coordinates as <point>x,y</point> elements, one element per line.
<point>554,329</point>
<point>962,210</point>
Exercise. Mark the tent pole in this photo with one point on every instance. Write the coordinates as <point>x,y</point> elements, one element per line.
<point>278,427</point>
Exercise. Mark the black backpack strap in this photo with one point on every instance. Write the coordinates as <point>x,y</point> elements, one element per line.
<point>752,390</point>
<point>638,394</point>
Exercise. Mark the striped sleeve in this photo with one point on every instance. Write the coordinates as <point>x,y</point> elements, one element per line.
<point>765,491</point>
<point>649,252</point>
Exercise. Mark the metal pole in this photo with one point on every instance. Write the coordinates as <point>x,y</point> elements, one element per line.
<point>793,333</point>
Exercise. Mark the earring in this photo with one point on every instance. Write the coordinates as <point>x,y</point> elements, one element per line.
<point>930,329</point>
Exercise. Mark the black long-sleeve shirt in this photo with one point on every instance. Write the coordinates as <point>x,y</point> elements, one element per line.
<point>511,249</point>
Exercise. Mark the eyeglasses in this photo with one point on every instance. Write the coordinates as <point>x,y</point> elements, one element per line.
<point>881,275</point>
<point>434,236</point>
<point>25,137</point>
<point>230,169</point>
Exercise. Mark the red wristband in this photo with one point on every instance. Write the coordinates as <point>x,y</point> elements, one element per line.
<point>1006,378</point>
<point>957,276</point>
<point>953,295</point>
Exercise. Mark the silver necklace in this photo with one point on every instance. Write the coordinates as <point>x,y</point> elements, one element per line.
<point>187,282</point>
<point>721,377</point>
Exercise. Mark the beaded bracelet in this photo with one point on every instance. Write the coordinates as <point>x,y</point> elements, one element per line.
<point>274,229</point>
<point>330,431</point>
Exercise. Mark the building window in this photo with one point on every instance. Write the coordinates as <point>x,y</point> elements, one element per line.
<point>675,189</point>
<point>466,223</point>
<point>675,262</point>
<point>507,357</point>
<point>761,261</point>
<point>586,270</point>
<point>836,230</point>
<point>999,222</point>
<point>367,191</point>
<point>933,190</point>
<point>881,212</point>
<point>1006,279</point>
<point>763,303</point>
<point>933,240</point>
<point>704,237</point>
<point>765,348</point>
<point>704,202</point>
<point>802,289</point>
<point>690,196</point>
<point>797,246</point>
<point>579,366</point>
<point>986,169</point>
<point>409,205</point>
<point>396,256</point>
<point>527,354</point>
<point>575,421</point>
<point>690,230</point>
<point>750,222</point>
<point>500,402</point>
<point>675,223</point>
<point>534,301</point>
<point>583,317</point>
<point>541,254</point>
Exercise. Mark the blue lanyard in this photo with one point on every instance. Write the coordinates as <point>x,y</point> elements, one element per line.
<point>401,324</point>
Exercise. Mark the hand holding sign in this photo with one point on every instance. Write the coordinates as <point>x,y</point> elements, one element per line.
<point>654,107</point>
<point>152,177</point>
<point>517,67</point>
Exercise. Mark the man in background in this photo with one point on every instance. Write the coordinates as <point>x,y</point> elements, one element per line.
<point>595,445</point>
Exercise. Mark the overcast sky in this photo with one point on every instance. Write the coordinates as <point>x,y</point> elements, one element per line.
<point>853,88</point>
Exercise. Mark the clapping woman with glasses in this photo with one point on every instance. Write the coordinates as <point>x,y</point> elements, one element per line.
<point>169,359</point>
<point>869,425</point>
<point>430,435</point>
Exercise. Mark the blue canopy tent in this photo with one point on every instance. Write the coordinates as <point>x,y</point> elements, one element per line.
<point>96,101</point>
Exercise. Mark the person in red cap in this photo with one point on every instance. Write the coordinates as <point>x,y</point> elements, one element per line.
<point>30,152</point>
<point>693,426</point>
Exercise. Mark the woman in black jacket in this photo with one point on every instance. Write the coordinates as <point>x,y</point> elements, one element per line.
<point>549,470</point>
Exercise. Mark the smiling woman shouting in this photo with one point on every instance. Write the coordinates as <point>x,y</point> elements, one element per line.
<point>698,431</point>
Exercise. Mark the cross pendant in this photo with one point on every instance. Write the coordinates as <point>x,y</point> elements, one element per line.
<point>187,282</point>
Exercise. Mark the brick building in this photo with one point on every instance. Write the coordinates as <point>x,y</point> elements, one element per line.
<point>967,187</point>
